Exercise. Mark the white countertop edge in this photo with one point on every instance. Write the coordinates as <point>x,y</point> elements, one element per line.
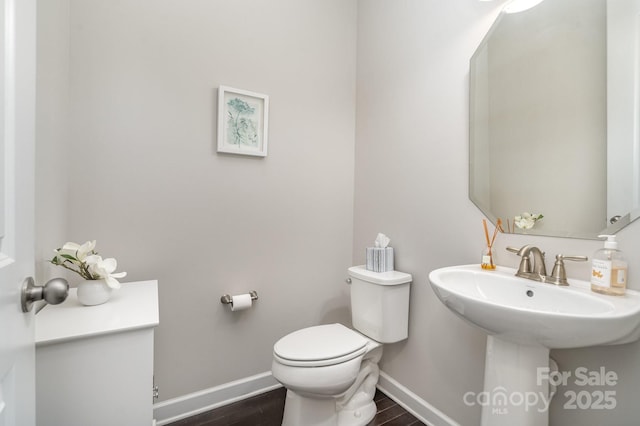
<point>132,307</point>
<point>68,338</point>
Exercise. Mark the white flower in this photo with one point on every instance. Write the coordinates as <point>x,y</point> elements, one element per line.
<point>103,269</point>
<point>74,252</point>
<point>85,261</point>
<point>526,220</point>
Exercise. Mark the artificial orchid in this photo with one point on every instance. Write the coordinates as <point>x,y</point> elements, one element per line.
<point>85,261</point>
<point>526,220</point>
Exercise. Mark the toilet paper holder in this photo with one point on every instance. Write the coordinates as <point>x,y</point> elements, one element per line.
<point>226,299</point>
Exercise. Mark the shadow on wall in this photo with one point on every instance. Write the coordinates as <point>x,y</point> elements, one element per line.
<point>336,310</point>
<point>391,351</point>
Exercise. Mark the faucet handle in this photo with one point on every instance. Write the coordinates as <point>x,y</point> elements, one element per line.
<point>559,274</point>
<point>522,250</point>
<point>574,258</point>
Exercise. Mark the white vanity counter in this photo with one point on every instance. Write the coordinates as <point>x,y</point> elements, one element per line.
<point>131,307</point>
<point>94,364</point>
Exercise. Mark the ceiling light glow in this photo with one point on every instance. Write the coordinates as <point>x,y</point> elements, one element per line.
<point>515,6</point>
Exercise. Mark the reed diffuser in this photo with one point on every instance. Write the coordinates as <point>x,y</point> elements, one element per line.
<point>487,253</point>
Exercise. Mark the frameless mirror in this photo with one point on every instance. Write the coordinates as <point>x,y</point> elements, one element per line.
<point>553,113</point>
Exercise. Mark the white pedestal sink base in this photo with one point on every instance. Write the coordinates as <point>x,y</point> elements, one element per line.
<point>537,316</point>
<point>516,391</point>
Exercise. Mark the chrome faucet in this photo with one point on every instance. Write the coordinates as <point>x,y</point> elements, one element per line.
<point>537,270</point>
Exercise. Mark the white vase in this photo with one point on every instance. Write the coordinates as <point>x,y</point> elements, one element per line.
<point>93,292</point>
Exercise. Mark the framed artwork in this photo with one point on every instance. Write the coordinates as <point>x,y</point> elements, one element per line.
<point>243,119</point>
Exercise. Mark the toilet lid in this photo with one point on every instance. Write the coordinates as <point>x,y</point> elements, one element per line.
<point>320,343</point>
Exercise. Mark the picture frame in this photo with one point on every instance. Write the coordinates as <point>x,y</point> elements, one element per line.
<point>243,122</point>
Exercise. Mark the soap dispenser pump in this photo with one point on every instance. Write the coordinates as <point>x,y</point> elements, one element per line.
<point>609,269</point>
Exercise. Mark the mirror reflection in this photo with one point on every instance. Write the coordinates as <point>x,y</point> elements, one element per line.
<point>549,134</point>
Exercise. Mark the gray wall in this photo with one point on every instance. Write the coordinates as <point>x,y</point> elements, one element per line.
<point>52,133</point>
<point>145,181</point>
<point>411,183</point>
<point>136,169</point>
<point>411,179</point>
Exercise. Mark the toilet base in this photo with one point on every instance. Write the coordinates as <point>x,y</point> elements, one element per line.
<point>359,417</point>
<point>353,408</point>
<point>300,410</point>
<point>313,406</point>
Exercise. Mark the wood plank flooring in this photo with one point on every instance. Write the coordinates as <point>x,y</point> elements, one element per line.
<point>266,410</point>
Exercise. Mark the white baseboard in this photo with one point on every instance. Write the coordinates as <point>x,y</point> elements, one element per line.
<point>175,409</point>
<point>411,402</point>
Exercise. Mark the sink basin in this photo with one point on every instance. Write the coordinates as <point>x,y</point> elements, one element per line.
<point>524,319</point>
<point>530,312</point>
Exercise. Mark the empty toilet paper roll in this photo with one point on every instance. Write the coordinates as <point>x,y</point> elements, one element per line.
<point>240,302</point>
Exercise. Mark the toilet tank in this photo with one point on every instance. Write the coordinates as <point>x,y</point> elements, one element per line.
<point>380,303</point>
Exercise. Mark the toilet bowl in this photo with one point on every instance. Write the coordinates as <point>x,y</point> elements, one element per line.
<point>331,371</point>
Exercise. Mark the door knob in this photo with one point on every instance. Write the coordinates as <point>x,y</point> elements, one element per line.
<point>53,292</point>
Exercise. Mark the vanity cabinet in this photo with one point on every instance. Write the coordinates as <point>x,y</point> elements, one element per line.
<point>94,364</point>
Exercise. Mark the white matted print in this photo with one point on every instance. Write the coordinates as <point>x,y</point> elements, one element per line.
<point>243,119</point>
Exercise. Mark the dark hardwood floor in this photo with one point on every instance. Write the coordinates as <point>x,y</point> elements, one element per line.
<point>266,410</point>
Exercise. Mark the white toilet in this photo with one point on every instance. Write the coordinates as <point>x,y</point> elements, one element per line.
<point>331,371</point>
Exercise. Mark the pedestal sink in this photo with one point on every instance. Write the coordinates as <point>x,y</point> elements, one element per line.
<point>524,319</point>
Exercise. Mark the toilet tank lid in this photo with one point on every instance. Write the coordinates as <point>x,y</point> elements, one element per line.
<point>381,278</point>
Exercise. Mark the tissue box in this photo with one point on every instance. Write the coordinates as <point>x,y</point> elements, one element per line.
<point>380,259</point>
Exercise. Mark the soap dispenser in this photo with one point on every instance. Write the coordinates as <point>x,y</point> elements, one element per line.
<point>609,269</point>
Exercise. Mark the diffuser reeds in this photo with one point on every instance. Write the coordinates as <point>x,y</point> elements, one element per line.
<point>487,254</point>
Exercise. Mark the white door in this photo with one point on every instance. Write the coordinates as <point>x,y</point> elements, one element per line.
<point>17,128</point>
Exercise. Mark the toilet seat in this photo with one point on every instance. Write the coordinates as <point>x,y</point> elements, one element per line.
<point>320,346</point>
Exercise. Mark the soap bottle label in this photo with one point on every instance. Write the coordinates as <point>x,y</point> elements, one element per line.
<point>619,278</point>
<point>601,272</point>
